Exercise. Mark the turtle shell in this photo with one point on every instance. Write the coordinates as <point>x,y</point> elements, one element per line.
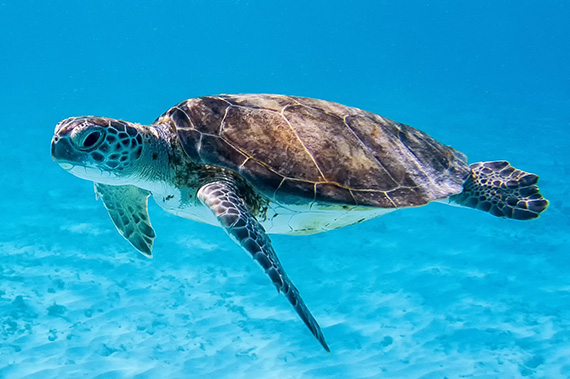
<point>298,150</point>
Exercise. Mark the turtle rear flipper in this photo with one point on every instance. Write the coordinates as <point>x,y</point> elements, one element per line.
<point>502,190</point>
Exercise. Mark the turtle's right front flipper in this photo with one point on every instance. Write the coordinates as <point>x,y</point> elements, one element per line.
<point>127,206</point>
<point>224,201</point>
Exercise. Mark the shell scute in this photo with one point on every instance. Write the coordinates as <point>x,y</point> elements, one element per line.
<point>191,141</point>
<point>330,193</point>
<point>373,197</point>
<point>267,137</point>
<point>206,113</point>
<point>292,191</point>
<point>298,150</point>
<point>180,118</point>
<point>259,101</point>
<point>218,152</point>
<point>251,170</point>
<point>379,138</point>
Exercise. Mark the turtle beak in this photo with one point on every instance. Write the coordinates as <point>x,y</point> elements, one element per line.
<point>63,152</point>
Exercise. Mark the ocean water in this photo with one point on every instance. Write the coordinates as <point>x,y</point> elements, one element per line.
<point>432,292</point>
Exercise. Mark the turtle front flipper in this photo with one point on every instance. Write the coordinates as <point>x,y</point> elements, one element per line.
<point>225,202</point>
<point>128,208</point>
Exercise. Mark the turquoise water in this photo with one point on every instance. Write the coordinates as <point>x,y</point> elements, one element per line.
<point>433,292</point>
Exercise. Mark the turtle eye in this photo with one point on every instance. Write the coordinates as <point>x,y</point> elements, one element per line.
<point>91,139</point>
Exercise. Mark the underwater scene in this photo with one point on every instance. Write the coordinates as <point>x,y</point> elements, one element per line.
<point>432,292</point>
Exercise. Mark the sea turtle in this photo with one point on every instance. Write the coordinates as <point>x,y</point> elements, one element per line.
<point>259,164</point>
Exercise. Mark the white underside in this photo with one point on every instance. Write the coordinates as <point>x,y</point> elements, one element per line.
<point>279,218</point>
<point>293,219</point>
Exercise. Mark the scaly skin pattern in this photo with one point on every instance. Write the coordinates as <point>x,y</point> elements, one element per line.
<point>224,201</point>
<point>502,190</point>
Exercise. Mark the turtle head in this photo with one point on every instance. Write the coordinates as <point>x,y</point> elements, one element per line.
<point>101,149</point>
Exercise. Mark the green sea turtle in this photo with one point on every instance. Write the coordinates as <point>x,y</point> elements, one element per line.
<point>260,164</point>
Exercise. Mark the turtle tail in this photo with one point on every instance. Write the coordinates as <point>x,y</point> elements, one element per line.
<point>502,190</point>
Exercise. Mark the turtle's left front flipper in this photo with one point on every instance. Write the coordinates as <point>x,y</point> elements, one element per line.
<point>224,201</point>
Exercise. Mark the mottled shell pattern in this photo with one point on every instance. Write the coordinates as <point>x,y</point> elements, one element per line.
<point>297,150</point>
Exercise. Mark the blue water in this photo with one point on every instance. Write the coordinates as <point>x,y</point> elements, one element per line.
<point>433,292</point>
